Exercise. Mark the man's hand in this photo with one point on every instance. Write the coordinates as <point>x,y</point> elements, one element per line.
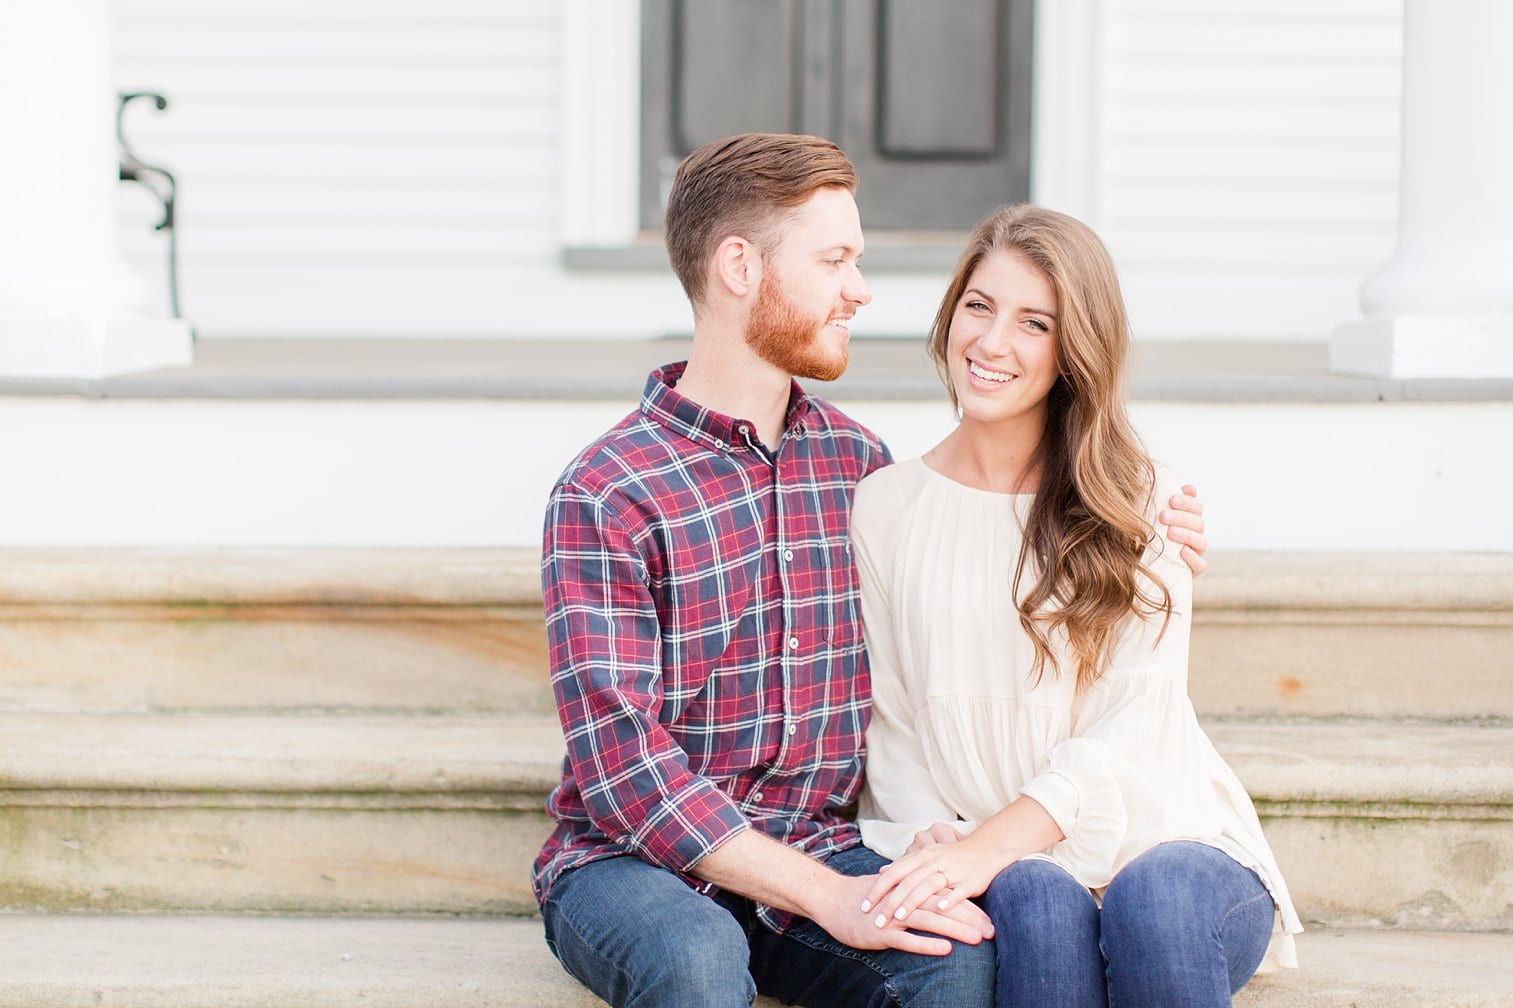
<point>936,833</point>
<point>965,922</point>
<point>760,868</point>
<point>1184,522</point>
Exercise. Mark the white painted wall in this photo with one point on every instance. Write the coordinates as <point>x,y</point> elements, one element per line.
<point>1367,476</point>
<point>396,168</point>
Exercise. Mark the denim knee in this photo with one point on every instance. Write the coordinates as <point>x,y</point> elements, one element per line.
<point>1190,910</point>
<point>639,938</point>
<point>1035,899</point>
<point>1181,882</point>
<point>708,969</point>
<point>1046,938</point>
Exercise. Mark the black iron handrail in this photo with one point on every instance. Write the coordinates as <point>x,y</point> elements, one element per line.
<point>159,181</point>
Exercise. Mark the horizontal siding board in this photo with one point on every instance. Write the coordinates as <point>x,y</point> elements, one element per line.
<point>1380,120</point>
<point>1279,253</point>
<point>1346,40</point>
<point>486,204</point>
<point>200,119</point>
<point>1227,206</point>
<point>266,241</point>
<point>1250,304</point>
<point>1279,76</point>
<point>295,43</point>
<point>374,82</point>
<point>337,12</point>
<point>1253,11</point>
<point>363,163</point>
<point>1193,159</point>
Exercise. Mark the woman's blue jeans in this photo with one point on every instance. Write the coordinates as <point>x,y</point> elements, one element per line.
<point>639,937</point>
<point>1183,925</point>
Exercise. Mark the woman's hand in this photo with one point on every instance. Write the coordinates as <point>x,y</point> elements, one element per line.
<point>1184,521</point>
<point>934,834</point>
<point>935,876</point>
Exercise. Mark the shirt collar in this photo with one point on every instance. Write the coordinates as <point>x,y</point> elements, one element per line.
<point>662,403</point>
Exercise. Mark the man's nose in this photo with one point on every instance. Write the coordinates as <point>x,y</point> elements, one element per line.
<point>857,292</point>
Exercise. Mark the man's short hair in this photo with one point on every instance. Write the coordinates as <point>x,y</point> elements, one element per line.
<point>744,186</point>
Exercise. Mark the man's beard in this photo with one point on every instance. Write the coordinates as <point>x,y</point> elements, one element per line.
<point>784,338</point>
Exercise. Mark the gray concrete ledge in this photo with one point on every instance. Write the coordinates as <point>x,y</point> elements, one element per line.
<point>615,370</point>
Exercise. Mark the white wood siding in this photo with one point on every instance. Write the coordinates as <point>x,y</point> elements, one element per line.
<point>375,168</point>
<point>394,168</point>
<point>1249,160</point>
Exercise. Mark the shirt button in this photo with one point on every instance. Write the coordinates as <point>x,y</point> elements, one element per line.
<point>793,643</point>
<point>756,796</point>
<point>792,728</point>
<point>788,555</point>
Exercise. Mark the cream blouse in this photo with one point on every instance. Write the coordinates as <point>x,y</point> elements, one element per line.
<point>959,729</point>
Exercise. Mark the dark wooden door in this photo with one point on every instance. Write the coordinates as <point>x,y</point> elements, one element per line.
<point>929,98</point>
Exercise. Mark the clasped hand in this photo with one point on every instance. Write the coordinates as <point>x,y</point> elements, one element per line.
<point>939,872</point>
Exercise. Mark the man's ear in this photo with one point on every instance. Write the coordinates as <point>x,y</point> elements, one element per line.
<point>737,266</point>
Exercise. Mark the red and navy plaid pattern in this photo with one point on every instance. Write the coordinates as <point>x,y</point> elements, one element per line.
<point>706,640</point>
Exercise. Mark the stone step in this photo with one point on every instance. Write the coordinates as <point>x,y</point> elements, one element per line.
<point>61,961</point>
<point>321,814</point>
<point>1379,635</point>
<point>437,631</point>
<point>1396,824</point>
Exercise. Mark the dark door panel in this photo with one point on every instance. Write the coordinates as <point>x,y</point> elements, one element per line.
<point>929,98</point>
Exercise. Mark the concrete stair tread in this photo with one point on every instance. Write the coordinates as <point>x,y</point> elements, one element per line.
<point>1369,760</point>
<point>322,962</point>
<point>1279,760</point>
<point>286,754</point>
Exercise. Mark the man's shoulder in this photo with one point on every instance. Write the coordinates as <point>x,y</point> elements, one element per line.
<point>614,457</point>
<point>827,419</point>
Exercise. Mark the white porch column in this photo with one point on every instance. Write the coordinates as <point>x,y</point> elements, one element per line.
<point>1442,307</point>
<point>69,304</point>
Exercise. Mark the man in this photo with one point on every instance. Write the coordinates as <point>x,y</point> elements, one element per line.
<point>706,646</point>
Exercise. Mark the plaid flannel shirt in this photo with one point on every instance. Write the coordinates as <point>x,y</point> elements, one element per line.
<point>706,639</point>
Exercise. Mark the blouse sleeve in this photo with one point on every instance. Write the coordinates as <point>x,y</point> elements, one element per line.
<point>900,797</point>
<point>1131,771</point>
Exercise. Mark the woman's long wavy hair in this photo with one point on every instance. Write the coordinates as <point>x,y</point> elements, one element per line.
<point>1087,529</point>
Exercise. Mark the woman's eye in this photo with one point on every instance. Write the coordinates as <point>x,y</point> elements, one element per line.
<point>977,306</point>
<point>1035,322</point>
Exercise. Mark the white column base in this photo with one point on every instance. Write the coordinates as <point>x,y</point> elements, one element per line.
<point>1425,346</point>
<point>34,346</point>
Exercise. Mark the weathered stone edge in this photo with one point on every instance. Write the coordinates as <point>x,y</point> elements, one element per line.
<point>510,577</point>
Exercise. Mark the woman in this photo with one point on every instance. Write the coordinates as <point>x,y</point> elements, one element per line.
<point>1032,743</point>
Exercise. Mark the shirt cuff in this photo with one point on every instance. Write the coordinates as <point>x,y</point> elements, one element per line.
<point>1057,794</point>
<point>682,828</point>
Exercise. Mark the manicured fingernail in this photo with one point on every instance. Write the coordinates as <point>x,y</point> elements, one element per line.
<point>943,904</point>
<point>866,905</point>
<point>900,913</point>
<point>882,920</point>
